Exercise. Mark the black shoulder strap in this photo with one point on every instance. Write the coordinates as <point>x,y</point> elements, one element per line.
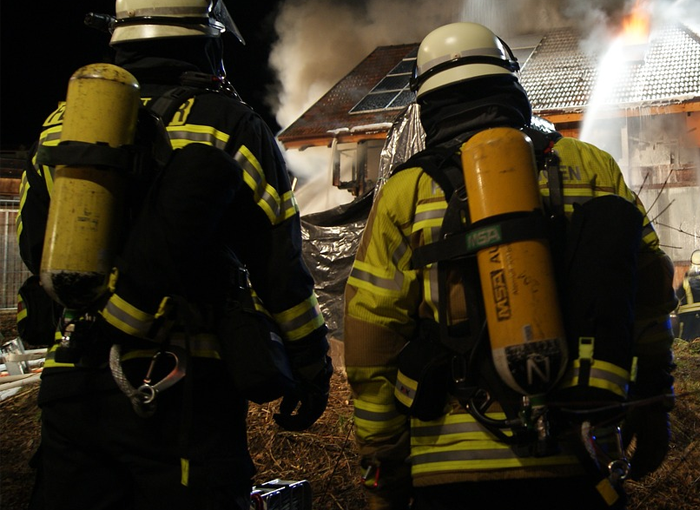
<point>439,164</point>
<point>444,167</point>
<point>152,134</point>
<point>547,159</point>
<point>166,105</point>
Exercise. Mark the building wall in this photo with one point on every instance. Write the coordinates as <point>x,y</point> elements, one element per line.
<point>13,271</point>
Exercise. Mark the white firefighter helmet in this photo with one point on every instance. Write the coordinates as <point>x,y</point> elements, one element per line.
<point>695,258</point>
<point>138,20</point>
<point>457,52</point>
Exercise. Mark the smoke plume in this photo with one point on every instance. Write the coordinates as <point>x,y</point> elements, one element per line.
<point>321,41</point>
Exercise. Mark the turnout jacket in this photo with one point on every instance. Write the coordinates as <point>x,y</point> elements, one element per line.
<point>386,297</point>
<point>689,295</point>
<point>237,198</point>
<point>689,307</point>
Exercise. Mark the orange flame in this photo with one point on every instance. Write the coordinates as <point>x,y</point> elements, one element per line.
<point>635,25</point>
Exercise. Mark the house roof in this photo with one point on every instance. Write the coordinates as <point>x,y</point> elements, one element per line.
<point>557,76</point>
<point>331,113</point>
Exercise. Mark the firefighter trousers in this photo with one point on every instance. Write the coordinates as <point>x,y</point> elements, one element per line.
<point>97,453</point>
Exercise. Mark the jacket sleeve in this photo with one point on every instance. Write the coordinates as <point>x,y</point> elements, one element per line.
<point>33,213</point>
<point>655,300</point>
<point>267,212</point>
<point>382,296</point>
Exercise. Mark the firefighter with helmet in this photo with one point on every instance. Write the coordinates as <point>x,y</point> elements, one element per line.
<point>467,86</point>
<point>688,293</point>
<point>223,192</point>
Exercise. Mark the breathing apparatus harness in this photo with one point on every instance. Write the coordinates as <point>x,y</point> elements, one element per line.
<point>461,364</point>
<point>139,164</point>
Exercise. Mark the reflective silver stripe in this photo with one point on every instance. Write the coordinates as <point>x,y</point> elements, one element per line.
<point>303,324</point>
<point>610,380</point>
<point>180,137</point>
<point>51,137</point>
<point>123,316</point>
<point>446,428</point>
<point>432,294</point>
<point>399,252</point>
<point>464,455</point>
<point>289,205</point>
<point>383,283</point>
<point>364,414</point>
<point>648,229</point>
<point>301,319</point>
<point>431,214</point>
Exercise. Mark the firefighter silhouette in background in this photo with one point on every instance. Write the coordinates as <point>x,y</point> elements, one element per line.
<point>688,293</point>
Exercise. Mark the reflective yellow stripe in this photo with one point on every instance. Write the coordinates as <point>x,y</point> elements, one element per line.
<point>376,421</point>
<point>603,375</point>
<point>376,417</point>
<point>478,460</point>
<point>203,345</point>
<point>457,442</point>
<point>21,308</point>
<point>302,319</point>
<point>452,428</point>
<point>266,197</point>
<point>405,390</point>
<point>688,291</point>
<point>181,136</point>
<point>200,346</point>
<point>691,305</point>
<point>694,307</point>
<point>127,318</point>
<point>50,360</point>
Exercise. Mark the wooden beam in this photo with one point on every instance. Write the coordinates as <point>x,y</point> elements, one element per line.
<point>9,187</point>
<point>559,117</point>
<point>326,141</point>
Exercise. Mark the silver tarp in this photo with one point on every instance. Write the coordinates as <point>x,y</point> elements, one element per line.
<point>330,238</point>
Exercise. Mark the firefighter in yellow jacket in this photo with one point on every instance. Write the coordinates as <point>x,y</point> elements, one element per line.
<point>466,82</point>
<point>689,301</point>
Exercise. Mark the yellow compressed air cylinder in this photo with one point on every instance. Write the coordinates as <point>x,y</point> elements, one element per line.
<point>86,202</point>
<point>525,326</point>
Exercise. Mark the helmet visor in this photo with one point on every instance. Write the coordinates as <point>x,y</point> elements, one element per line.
<point>220,13</point>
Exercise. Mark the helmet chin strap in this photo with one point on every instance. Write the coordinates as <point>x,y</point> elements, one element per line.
<point>215,56</point>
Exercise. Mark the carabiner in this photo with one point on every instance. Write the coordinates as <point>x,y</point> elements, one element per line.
<point>148,391</point>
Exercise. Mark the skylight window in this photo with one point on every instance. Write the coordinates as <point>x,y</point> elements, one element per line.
<point>392,91</point>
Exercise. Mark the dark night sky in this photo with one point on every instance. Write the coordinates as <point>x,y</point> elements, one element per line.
<point>43,43</point>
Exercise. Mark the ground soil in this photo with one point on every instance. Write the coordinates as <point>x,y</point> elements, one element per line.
<point>326,455</point>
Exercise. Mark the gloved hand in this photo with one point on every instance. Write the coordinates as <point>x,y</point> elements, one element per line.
<point>648,423</point>
<point>650,426</point>
<point>309,400</point>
